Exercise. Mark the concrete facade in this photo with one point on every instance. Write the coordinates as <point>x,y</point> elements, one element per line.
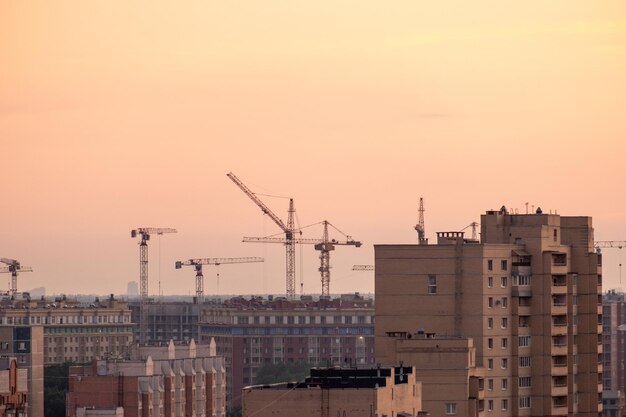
<point>528,294</point>
<point>345,392</point>
<point>158,381</point>
<point>252,332</point>
<point>73,332</point>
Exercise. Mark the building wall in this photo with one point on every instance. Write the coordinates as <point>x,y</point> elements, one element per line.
<point>13,388</point>
<point>73,332</point>
<point>388,400</point>
<point>26,345</point>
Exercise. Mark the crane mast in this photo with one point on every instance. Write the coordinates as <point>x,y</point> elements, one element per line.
<point>198,262</point>
<point>144,235</point>
<point>288,229</point>
<point>420,226</point>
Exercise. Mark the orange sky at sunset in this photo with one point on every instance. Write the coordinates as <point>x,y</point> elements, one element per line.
<point>123,114</point>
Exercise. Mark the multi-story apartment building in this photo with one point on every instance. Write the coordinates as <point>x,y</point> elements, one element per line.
<point>25,344</point>
<point>346,392</point>
<point>529,294</point>
<point>159,381</point>
<point>613,334</point>
<point>73,332</point>
<point>257,331</point>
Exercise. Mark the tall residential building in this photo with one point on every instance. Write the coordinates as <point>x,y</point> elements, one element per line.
<point>529,294</point>
<point>613,334</point>
<point>344,392</point>
<point>252,332</point>
<point>159,381</point>
<point>72,331</point>
<point>166,320</point>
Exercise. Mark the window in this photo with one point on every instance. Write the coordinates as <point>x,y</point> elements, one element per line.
<point>554,234</point>
<point>489,363</point>
<point>504,322</point>
<point>490,322</point>
<point>450,408</point>
<point>524,402</point>
<point>503,282</point>
<point>432,284</point>
<point>504,405</point>
<point>490,264</point>
<point>490,302</point>
<point>504,384</point>
<point>489,405</point>
<point>524,341</point>
<point>490,384</point>
<point>490,282</point>
<point>503,265</point>
<point>524,382</point>
<point>490,343</point>
<point>504,363</point>
<point>505,302</point>
<point>504,343</point>
<point>524,361</point>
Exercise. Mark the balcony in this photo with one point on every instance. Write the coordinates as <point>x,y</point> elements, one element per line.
<point>559,390</point>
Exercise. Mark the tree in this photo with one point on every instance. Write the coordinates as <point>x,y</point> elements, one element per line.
<point>271,373</point>
<point>55,379</point>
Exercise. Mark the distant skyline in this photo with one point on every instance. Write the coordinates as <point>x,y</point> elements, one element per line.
<point>121,115</point>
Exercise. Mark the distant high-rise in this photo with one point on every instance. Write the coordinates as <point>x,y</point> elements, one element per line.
<point>133,289</point>
<point>528,294</point>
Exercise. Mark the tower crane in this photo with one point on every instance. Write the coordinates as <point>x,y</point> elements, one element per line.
<point>197,264</point>
<point>474,226</point>
<point>14,267</point>
<point>362,267</point>
<point>144,235</point>
<point>420,226</point>
<point>324,245</point>
<point>619,244</point>
<point>288,229</point>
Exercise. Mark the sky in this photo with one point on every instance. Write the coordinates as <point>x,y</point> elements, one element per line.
<point>124,114</point>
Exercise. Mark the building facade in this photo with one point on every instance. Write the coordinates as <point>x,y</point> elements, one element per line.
<point>13,388</point>
<point>25,344</point>
<point>345,392</point>
<point>613,334</point>
<point>184,380</point>
<point>529,294</point>
<point>73,331</point>
<point>252,332</point>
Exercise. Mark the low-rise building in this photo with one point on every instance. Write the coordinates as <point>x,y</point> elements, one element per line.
<point>157,381</point>
<point>345,392</point>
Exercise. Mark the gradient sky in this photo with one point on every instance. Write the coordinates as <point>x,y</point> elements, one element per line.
<point>123,114</point>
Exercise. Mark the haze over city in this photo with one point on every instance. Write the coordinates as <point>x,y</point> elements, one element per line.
<point>130,115</point>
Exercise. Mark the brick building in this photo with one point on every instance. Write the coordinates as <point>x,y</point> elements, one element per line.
<point>529,294</point>
<point>13,389</point>
<point>345,392</point>
<point>256,331</point>
<point>158,381</point>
